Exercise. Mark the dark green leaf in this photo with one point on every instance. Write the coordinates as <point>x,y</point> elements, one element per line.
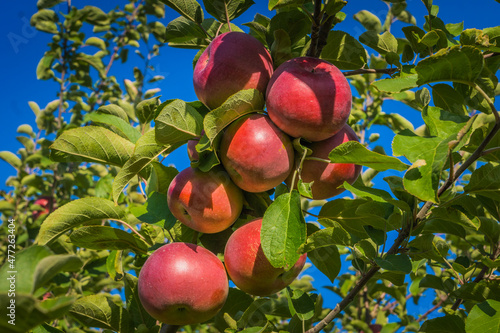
<point>446,324</point>
<point>294,21</point>
<point>300,303</point>
<point>344,51</point>
<point>447,98</point>
<point>485,181</point>
<point>395,262</point>
<point>327,260</point>
<point>50,266</point>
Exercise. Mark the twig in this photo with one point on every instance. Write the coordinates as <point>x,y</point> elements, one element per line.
<point>227,16</point>
<point>315,29</point>
<point>480,276</point>
<point>388,71</point>
<point>431,310</point>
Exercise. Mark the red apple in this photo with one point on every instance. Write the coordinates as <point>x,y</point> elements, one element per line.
<point>46,202</point>
<point>232,62</point>
<point>328,177</point>
<point>256,154</point>
<point>191,150</point>
<point>309,98</point>
<point>249,268</point>
<point>182,284</point>
<point>207,202</point>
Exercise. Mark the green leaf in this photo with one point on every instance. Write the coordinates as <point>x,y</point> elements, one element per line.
<point>46,329</point>
<point>294,21</point>
<point>11,158</point>
<point>190,9</point>
<point>160,178</point>
<point>395,262</point>
<point>428,247</point>
<point>478,291</point>
<point>447,98</point>
<point>26,262</point>
<point>484,318</point>
<point>344,51</point>
<point>446,324</point>
<point>155,211</point>
<point>183,30</point>
<point>223,10</point>
<point>42,4</point>
<point>48,267</point>
<point>137,312</point>
<point>428,155</point>
<point>44,72</point>
<point>354,215</point>
<point>91,144</point>
<point>76,213</point>
<point>98,237</point>
<point>283,230</point>
<point>356,153</point>
<point>327,260</point>
<point>485,181</point>
<point>275,4</point>
<point>33,311</point>
<point>457,64</point>
<point>114,110</point>
<point>334,235</point>
<point>241,103</point>
<point>94,15</point>
<point>369,21</point>
<point>131,133</point>
<point>100,311</point>
<point>454,215</point>
<point>45,20</point>
<point>443,124</point>
<point>97,42</point>
<point>407,79</point>
<point>177,122</point>
<point>300,303</point>
<point>146,109</point>
<point>281,49</point>
<point>383,43</point>
<point>146,151</point>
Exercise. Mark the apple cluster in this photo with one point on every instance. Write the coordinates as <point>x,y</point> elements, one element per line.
<point>306,98</point>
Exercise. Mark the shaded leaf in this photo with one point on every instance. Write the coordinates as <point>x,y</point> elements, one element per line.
<point>343,51</point>
<point>98,237</point>
<point>177,122</point>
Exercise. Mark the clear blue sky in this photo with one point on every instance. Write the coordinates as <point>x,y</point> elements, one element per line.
<point>21,48</point>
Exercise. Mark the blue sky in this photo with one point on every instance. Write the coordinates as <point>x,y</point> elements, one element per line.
<point>22,47</point>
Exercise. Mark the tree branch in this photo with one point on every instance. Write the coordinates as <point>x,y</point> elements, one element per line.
<point>388,71</point>
<point>315,29</point>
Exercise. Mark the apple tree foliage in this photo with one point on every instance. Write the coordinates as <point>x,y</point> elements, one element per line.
<point>428,226</point>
